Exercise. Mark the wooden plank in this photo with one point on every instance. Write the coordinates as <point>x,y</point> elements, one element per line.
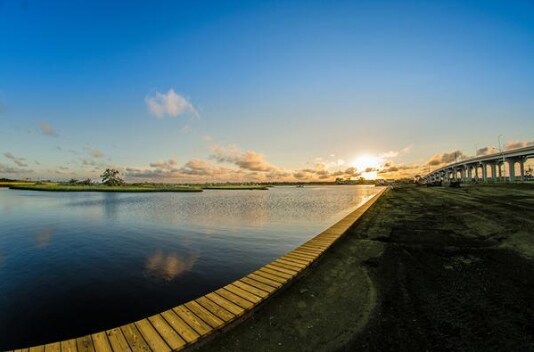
<point>204,314</point>
<point>235,299</point>
<point>290,264</point>
<point>171,337</point>
<point>304,251</point>
<point>192,320</point>
<point>216,309</point>
<point>180,326</point>
<point>320,243</point>
<point>312,251</point>
<point>134,338</point>
<point>22,350</point>
<point>240,292</point>
<point>305,256</point>
<point>151,336</point>
<point>100,342</point>
<point>295,260</point>
<point>69,346</point>
<point>116,340</point>
<point>326,242</point>
<point>53,347</point>
<point>258,284</point>
<point>37,348</point>
<point>284,269</point>
<point>276,273</point>
<point>226,304</point>
<point>252,289</point>
<point>264,280</point>
<point>315,248</point>
<point>85,344</point>
<point>315,244</point>
<point>272,276</point>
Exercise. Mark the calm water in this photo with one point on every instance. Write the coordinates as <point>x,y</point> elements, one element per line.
<point>75,263</point>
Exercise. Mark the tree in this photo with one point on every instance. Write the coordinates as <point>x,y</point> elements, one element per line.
<point>110,177</point>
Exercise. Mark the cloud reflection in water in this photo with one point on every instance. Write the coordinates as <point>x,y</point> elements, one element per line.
<point>44,236</point>
<point>169,266</point>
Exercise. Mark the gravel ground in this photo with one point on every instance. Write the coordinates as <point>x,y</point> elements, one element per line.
<point>425,269</point>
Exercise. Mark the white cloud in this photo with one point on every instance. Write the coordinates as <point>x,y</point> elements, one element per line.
<point>169,104</point>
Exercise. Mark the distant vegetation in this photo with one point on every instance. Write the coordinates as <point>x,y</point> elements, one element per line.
<point>65,187</point>
<point>111,177</point>
<point>112,182</point>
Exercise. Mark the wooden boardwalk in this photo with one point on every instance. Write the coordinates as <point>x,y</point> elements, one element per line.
<point>186,325</point>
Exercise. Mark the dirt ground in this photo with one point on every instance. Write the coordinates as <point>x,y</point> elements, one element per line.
<point>425,269</point>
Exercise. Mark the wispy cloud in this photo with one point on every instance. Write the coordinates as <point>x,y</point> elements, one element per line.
<point>170,164</point>
<point>517,144</point>
<point>169,104</point>
<point>95,153</point>
<point>487,150</point>
<point>390,154</point>
<point>397,169</point>
<point>321,172</point>
<point>19,161</point>
<point>249,160</point>
<point>4,169</point>
<point>396,153</point>
<point>445,158</point>
<point>47,129</point>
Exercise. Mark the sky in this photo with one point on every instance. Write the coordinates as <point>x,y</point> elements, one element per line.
<point>200,91</point>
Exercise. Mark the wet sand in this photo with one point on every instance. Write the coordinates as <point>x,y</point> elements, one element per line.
<point>434,269</point>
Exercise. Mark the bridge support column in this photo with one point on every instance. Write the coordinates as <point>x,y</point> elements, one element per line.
<point>494,172</point>
<point>476,172</point>
<point>484,172</point>
<point>511,170</point>
<point>469,173</point>
<point>522,169</point>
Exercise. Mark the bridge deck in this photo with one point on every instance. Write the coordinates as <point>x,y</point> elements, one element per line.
<point>193,322</point>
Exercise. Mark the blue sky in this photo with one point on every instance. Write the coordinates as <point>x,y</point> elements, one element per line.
<point>258,90</point>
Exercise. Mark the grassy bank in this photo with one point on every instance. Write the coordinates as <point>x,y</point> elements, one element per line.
<point>9,184</point>
<point>102,188</point>
<point>425,269</point>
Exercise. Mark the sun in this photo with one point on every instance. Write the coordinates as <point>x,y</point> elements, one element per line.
<point>367,165</point>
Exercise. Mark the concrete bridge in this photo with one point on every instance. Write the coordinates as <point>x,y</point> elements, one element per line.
<point>485,168</point>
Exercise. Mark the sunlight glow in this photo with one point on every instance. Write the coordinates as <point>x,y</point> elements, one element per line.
<point>368,165</point>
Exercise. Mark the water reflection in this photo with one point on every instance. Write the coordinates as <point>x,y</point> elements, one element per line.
<point>169,266</point>
<point>111,202</point>
<point>44,236</point>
